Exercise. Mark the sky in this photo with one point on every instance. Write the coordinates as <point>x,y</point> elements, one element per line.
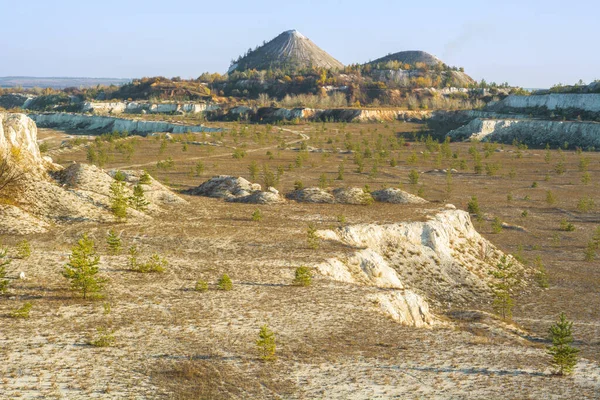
<point>528,43</point>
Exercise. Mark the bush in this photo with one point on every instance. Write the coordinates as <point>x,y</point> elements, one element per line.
<point>4,262</point>
<point>118,200</point>
<point>298,185</point>
<point>145,178</point>
<point>566,226</point>
<point>82,268</point>
<point>23,249</point>
<point>114,242</point>
<point>256,215</point>
<point>311,237</point>
<point>413,177</point>
<point>564,356</point>
<point>265,344</point>
<point>154,264</point>
<point>201,286</point>
<point>303,276</point>
<point>225,283</point>
<point>104,338</point>
<point>22,312</point>
<point>473,206</point>
<point>120,176</point>
<point>496,225</point>
<point>138,201</point>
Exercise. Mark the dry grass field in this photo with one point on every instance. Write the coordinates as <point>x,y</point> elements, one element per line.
<point>173,342</point>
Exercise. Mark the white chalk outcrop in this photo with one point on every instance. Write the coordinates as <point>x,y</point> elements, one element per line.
<point>555,101</point>
<point>103,124</point>
<point>48,194</point>
<point>135,107</point>
<point>531,132</point>
<point>442,261</point>
<point>236,189</point>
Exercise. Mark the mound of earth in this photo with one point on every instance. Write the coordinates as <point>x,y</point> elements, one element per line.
<point>443,262</point>
<point>259,197</point>
<point>14,221</point>
<point>46,193</point>
<point>289,50</point>
<point>311,195</point>
<point>410,57</point>
<point>352,195</point>
<point>396,196</point>
<point>225,187</point>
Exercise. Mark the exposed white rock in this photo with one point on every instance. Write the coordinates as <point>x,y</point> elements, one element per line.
<point>442,261</point>
<point>311,195</point>
<point>553,101</point>
<point>14,221</point>
<point>396,196</point>
<point>531,132</point>
<point>405,307</point>
<point>225,187</point>
<point>68,121</point>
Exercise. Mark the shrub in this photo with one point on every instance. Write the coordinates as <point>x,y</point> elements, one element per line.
<point>117,199</point>
<point>201,286</point>
<point>413,177</point>
<point>225,283</point>
<point>253,170</point>
<point>138,201</point>
<point>155,263</point>
<point>22,312</point>
<point>566,226</point>
<point>322,181</point>
<point>239,154</point>
<point>145,178</point>
<point>256,215</point>
<point>541,276</point>
<point>586,204</point>
<point>590,251</point>
<point>473,206</point>
<point>564,356</point>
<point>82,268</point>
<point>298,185</point>
<point>311,237</point>
<point>265,344</point>
<point>4,262</point>
<point>199,168</point>
<point>23,249</point>
<point>165,164</point>
<point>120,176</point>
<point>44,147</point>
<point>504,280</point>
<point>104,338</point>
<point>550,198</point>
<point>496,225</point>
<point>303,276</point>
<point>113,240</point>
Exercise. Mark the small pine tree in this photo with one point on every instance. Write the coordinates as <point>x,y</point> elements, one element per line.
<point>303,276</point>
<point>113,240</point>
<point>138,200</point>
<point>256,215</point>
<point>23,249</point>
<point>253,170</point>
<point>132,260</point>
<point>590,251</point>
<point>496,225</point>
<point>541,275</point>
<point>155,263</point>
<point>311,236</point>
<point>225,283</point>
<point>340,176</point>
<point>201,286</point>
<point>82,268</point>
<point>145,178</point>
<point>118,200</point>
<point>104,338</point>
<point>265,344</point>
<point>413,177</point>
<point>504,280</point>
<point>22,312</point>
<point>564,356</point>
<point>473,206</point>
<point>120,176</point>
<point>4,262</point>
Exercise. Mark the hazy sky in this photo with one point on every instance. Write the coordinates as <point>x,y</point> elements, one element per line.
<point>531,43</point>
